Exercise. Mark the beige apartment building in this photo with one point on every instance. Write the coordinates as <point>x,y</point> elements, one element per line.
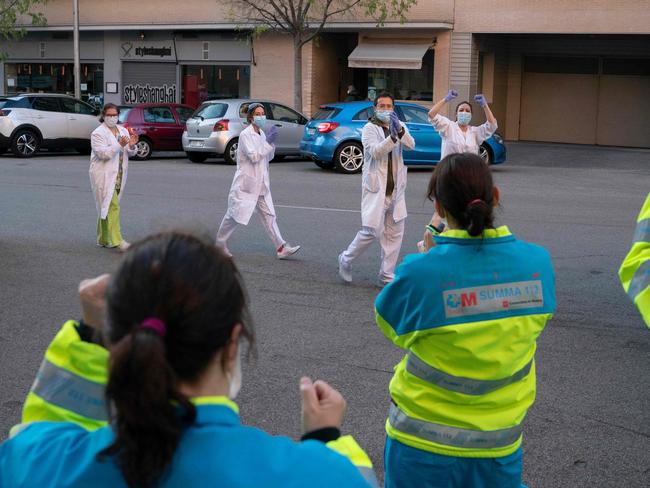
<point>554,71</point>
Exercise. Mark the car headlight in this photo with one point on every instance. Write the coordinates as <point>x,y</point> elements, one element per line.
<point>498,138</point>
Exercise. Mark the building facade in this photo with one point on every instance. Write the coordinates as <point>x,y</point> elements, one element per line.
<point>552,71</point>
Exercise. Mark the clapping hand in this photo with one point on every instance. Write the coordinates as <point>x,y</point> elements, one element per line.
<point>92,294</point>
<point>272,135</point>
<point>133,139</point>
<point>124,140</point>
<point>480,99</point>
<point>322,405</point>
<point>394,126</point>
<point>451,94</point>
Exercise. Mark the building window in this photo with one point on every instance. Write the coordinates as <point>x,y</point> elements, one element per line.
<point>206,50</point>
<point>404,84</point>
<point>212,82</point>
<point>41,49</point>
<point>55,78</point>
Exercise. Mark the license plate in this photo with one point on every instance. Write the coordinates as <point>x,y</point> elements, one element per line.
<point>196,143</point>
<point>311,131</point>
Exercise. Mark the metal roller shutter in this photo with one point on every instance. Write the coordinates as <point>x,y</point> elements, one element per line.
<point>149,83</point>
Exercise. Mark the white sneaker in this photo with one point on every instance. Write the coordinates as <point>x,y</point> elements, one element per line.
<point>287,251</point>
<point>345,270</point>
<point>123,246</point>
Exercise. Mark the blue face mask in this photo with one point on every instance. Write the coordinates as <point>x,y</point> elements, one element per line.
<point>383,115</point>
<point>463,118</point>
<point>259,121</point>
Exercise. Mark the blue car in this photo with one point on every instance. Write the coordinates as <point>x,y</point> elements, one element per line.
<point>332,138</point>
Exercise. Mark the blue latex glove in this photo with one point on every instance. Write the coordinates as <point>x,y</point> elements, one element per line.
<point>272,134</point>
<point>451,94</point>
<point>394,126</point>
<point>480,99</point>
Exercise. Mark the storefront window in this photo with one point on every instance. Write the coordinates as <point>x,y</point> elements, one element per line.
<point>208,82</point>
<point>404,84</point>
<point>55,78</point>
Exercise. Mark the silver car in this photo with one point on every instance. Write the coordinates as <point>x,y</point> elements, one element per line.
<point>213,129</point>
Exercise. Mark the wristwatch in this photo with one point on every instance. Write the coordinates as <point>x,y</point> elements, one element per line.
<point>435,230</point>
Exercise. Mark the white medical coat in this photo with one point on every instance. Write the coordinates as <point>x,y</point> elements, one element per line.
<point>105,164</point>
<point>376,147</point>
<point>454,140</point>
<point>252,176</point>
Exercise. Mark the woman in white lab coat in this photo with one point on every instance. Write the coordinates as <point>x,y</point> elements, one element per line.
<point>109,162</point>
<point>251,188</point>
<point>457,137</point>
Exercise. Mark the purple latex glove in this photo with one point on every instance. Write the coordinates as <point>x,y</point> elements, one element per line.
<point>394,126</point>
<point>451,94</point>
<point>272,134</point>
<point>480,99</point>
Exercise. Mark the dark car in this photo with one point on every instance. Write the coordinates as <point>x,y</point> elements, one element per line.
<point>160,126</point>
<point>332,137</point>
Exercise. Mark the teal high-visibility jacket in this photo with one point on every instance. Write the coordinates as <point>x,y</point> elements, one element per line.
<point>468,312</point>
<point>635,270</point>
<point>64,428</point>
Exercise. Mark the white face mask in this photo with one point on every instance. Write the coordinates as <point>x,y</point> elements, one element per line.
<point>235,377</point>
<point>110,120</point>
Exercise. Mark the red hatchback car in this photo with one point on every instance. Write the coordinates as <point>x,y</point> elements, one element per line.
<point>159,125</point>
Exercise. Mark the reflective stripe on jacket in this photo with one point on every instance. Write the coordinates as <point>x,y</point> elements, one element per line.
<point>635,270</point>
<point>468,312</point>
<point>54,446</point>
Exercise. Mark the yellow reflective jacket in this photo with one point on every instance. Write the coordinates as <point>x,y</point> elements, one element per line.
<point>635,270</point>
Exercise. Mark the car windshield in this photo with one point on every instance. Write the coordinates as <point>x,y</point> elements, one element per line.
<point>326,113</point>
<point>124,114</point>
<point>211,110</point>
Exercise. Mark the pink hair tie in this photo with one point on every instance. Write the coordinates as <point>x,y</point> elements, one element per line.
<point>475,202</point>
<point>157,325</point>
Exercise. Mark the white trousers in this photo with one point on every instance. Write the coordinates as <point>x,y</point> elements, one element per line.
<point>269,221</point>
<point>389,233</point>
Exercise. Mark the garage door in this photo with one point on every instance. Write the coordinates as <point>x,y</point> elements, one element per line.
<point>149,83</point>
<point>586,100</point>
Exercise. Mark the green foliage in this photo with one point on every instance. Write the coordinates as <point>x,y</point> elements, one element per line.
<point>12,10</point>
<point>380,10</point>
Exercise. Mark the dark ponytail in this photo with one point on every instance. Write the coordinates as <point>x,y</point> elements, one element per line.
<point>196,293</point>
<point>462,184</point>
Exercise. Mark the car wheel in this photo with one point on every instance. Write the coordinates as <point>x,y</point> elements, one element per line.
<point>144,148</point>
<point>485,154</point>
<point>323,164</point>
<point>25,143</point>
<point>231,152</point>
<point>349,158</point>
<point>197,157</point>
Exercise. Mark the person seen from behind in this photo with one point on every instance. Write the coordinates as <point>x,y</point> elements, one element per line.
<point>467,315</point>
<point>146,397</point>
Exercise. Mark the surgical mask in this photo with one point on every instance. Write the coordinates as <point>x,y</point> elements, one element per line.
<point>383,115</point>
<point>463,118</point>
<point>235,377</point>
<point>111,121</point>
<point>259,121</point>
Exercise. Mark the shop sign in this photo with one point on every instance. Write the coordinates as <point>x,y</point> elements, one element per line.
<point>137,93</point>
<point>147,50</point>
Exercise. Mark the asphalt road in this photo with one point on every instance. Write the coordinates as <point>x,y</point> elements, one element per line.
<point>590,426</point>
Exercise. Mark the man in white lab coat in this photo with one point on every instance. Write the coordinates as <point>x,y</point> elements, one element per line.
<point>251,188</point>
<point>383,204</point>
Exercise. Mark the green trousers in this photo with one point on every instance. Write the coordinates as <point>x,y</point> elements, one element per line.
<point>109,233</point>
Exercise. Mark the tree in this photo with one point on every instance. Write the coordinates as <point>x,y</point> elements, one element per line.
<point>10,11</point>
<point>304,20</point>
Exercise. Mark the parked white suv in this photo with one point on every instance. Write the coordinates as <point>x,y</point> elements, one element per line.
<point>30,122</point>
